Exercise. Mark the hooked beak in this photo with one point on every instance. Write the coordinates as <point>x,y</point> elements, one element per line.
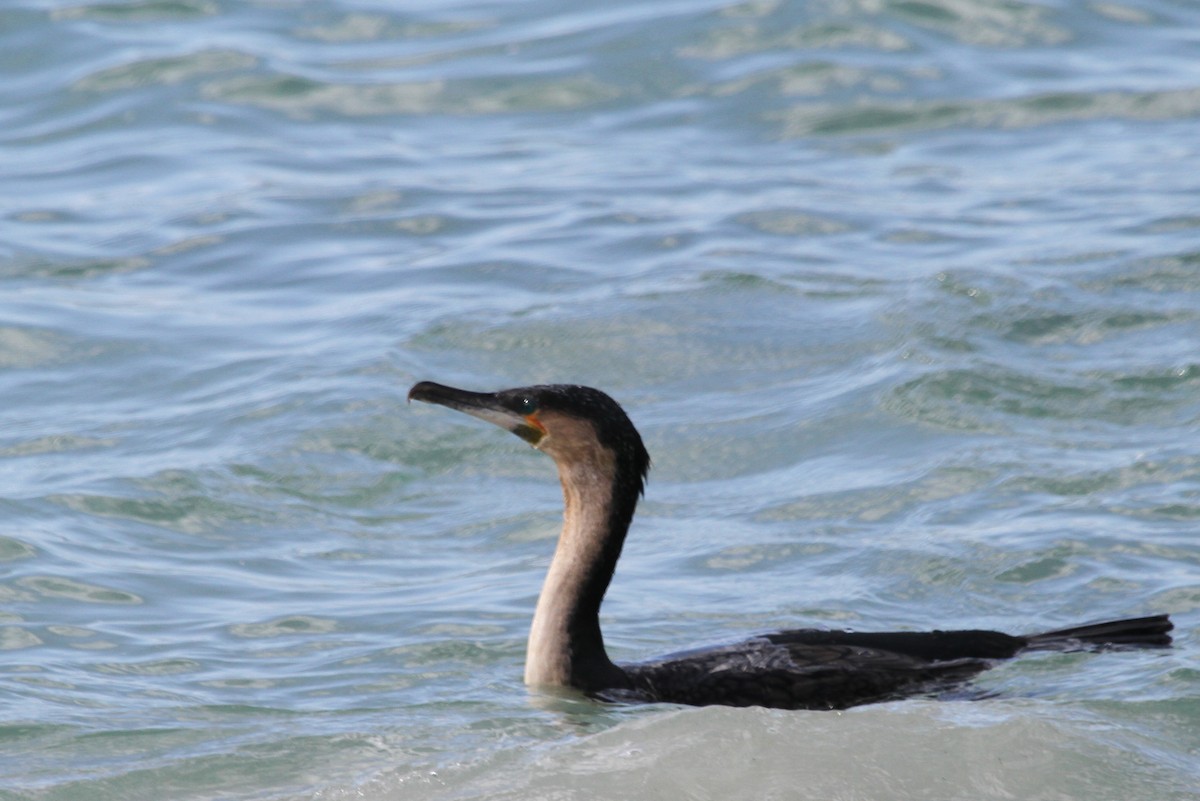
<point>484,405</point>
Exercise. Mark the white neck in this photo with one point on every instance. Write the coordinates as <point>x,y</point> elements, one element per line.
<point>565,646</point>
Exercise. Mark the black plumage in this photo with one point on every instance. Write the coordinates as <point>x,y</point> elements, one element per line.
<point>602,465</point>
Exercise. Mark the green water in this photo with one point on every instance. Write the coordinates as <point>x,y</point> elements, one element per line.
<point>904,298</point>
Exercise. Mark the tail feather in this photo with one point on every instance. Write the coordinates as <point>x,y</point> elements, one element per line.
<point>1137,632</point>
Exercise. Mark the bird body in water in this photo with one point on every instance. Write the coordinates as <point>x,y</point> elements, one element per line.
<point>602,466</point>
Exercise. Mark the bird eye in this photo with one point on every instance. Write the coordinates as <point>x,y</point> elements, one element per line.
<point>526,405</point>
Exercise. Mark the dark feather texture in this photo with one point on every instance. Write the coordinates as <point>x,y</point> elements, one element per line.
<point>602,465</point>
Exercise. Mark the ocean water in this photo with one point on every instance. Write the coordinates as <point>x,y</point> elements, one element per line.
<point>904,296</point>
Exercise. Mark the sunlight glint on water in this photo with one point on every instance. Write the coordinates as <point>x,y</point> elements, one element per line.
<point>904,299</point>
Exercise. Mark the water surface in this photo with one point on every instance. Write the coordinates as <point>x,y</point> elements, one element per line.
<point>904,297</point>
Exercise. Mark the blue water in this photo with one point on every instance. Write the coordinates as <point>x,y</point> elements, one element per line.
<point>904,297</point>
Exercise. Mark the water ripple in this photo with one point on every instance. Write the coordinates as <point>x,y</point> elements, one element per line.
<point>165,71</point>
<point>305,96</point>
<point>1010,113</point>
<point>139,11</point>
<point>48,587</point>
<point>902,295</point>
<point>292,625</point>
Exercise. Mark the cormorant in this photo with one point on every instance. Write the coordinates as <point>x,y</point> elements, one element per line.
<point>602,465</point>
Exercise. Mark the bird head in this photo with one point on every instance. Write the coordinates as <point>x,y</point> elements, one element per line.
<point>567,421</point>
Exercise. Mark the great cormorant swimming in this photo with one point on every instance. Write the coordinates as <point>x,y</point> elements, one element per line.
<point>602,465</point>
